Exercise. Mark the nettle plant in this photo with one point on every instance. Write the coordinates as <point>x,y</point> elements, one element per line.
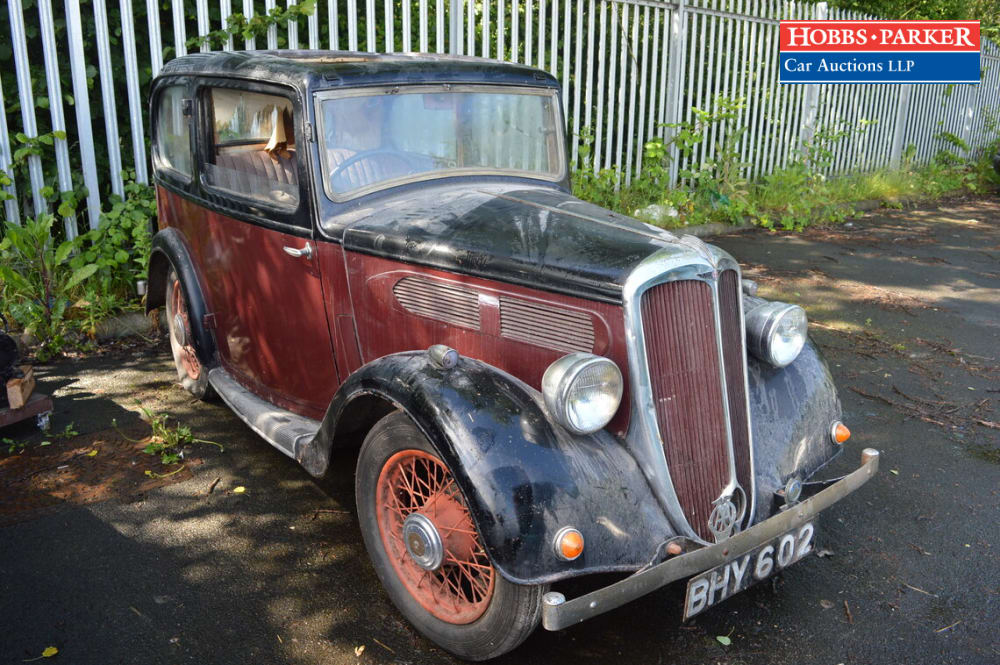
<point>716,181</point>
<point>715,189</point>
<point>58,291</point>
<point>39,284</point>
<point>121,243</point>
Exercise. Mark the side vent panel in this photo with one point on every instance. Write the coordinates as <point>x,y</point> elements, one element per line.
<point>547,326</point>
<point>441,301</point>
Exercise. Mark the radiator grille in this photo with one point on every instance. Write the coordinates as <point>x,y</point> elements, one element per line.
<point>543,325</point>
<point>441,301</point>
<point>734,361</point>
<point>682,354</point>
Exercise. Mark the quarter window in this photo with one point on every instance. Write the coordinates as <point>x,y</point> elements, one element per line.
<point>173,131</point>
<point>252,150</point>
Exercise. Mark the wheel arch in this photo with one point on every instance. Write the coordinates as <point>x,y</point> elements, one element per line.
<point>523,477</point>
<point>169,250</point>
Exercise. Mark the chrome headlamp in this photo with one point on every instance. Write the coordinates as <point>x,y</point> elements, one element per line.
<point>776,332</point>
<point>582,391</point>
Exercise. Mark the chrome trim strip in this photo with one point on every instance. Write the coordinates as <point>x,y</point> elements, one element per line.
<point>730,488</point>
<point>751,492</point>
<point>571,612</point>
<point>746,396</point>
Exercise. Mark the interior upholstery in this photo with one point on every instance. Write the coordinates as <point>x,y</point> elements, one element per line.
<point>241,170</point>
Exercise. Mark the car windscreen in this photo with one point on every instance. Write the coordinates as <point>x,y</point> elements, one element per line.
<point>378,138</point>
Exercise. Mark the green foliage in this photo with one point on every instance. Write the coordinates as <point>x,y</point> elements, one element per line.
<point>717,189</point>
<point>121,243</point>
<point>789,198</point>
<point>256,26</point>
<point>38,282</point>
<point>54,291</point>
<point>946,156</point>
<point>13,446</point>
<point>165,440</point>
<point>69,431</point>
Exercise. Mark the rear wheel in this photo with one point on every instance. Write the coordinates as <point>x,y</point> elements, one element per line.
<point>190,372</point>
<point>427,551</point>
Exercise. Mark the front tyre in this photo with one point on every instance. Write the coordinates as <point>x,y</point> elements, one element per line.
<point>427,551</point>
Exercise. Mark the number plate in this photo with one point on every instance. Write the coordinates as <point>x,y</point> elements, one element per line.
<point>715,585</point>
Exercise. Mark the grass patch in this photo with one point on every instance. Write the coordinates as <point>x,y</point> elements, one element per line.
<point>792,198</point>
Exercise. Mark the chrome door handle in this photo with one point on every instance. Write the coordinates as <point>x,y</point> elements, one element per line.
<point>306,252</point>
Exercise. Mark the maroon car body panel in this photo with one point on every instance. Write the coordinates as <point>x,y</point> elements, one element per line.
<point>386,326</point>
<point>270,322</point>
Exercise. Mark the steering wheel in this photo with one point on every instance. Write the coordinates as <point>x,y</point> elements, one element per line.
<point>407,158</point>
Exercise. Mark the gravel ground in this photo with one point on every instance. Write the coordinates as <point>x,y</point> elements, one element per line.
<point>906,305</point>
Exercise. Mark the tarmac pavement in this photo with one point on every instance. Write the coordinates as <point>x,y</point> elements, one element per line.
<point>906,305</point>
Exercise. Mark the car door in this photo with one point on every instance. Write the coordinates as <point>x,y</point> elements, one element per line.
<point>256,247</point>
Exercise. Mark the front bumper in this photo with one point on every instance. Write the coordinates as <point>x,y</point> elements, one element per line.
<point>559,613</point>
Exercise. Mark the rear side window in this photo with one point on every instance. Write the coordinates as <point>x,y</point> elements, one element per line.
<point>173,131</point>
<point>252,151</point>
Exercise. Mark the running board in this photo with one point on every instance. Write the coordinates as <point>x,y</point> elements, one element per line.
<point>283,429</point>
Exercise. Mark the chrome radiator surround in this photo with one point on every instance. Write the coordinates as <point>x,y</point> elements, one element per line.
<point>691,259</point>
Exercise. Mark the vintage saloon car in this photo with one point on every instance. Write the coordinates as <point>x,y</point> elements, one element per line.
<point>381,253</point>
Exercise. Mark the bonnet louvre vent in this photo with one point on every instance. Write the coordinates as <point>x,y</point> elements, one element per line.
<point>441,301</point>
<point>545,325</point>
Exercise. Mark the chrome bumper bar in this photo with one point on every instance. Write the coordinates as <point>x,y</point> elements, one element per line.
<point>559,613</point>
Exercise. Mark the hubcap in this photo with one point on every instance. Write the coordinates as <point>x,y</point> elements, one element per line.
<point>179,330</point>
<point>181,333</point>
<point>423,542</point>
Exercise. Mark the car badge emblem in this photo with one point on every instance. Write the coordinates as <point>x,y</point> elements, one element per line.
<point>722,521</point>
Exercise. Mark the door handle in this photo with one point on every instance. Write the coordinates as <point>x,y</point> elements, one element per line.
<point>306,252</point>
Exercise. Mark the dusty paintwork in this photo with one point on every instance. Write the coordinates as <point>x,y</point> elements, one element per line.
<point>539,237</point>
<point>327,336</point>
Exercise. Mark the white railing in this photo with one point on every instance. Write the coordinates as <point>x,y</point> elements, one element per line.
<point>629,68</point>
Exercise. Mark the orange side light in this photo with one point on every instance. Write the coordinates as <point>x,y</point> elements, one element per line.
<point>571,544</point>
<point>841,433</point>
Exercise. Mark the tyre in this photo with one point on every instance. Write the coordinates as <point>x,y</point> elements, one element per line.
<point>427,551</point>
<point>190,372</point>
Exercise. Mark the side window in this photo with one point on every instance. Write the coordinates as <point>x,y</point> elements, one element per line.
<point>173,131</point>
<point>252,150</point>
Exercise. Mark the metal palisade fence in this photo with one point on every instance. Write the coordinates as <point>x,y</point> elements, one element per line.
<point>629,68</point>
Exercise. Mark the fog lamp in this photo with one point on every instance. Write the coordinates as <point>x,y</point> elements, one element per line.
<point>776,332</point>
<point>793,490</point>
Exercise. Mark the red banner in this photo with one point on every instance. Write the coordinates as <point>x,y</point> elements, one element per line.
<point>879,36</point>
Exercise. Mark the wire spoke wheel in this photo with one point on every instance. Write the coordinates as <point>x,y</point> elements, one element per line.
<point>459,590</point>
<point>191,374</point>
<point>427,551</point>
<point>180,331</point>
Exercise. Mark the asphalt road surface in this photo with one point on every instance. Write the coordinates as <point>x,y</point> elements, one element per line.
<point>906,305</point>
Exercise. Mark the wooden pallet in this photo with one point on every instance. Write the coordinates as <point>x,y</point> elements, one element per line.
<point>38,405</point>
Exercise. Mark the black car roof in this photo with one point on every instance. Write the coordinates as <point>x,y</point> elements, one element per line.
<point>311,70</point>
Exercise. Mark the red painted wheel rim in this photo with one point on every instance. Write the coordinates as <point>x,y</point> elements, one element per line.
<point>415,481</point>
<point>188,358</point>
